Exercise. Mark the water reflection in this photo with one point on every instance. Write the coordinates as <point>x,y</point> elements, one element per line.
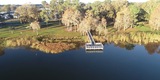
<point>127,46</point>
<point>152,48</point>
<point>94,51</point>
<point>2,51</point>
<point>150,40</point>
<point>76,65</point>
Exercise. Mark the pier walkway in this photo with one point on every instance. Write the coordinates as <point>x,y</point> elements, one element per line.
<point>93,45</point>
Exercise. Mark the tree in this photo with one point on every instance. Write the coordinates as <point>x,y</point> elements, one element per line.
<point>88,23</point>
<point>149,6</point>
<point>155,19</point>
<point>45,4</point>
<point>101,28</point>
<point>119,21</point>
<point>142,15</point>
<point>44,16</point>
<point>102,9</point>
<point>95,8</point>
<point>107,1</point>
<point>76,4</point>
<point>91,23</point>
<point>67,4</point>
<point>27,13</point>
<point>107,11</point>
<point>57,7</point>
<point>13,7</point>
<point>35,26</point>
<point>33,13</point>
<point>119,5</point>
<point>6,8</point>
<point>71,18</point>
<point>60,7</point>
<point>134,11</point>
<point>53,4</point>
<point>124,20</point>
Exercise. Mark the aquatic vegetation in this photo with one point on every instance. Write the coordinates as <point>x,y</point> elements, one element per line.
<point>19,42</point>
<point>57,44</point>
<point>43,43</point>
<point>53,47</point>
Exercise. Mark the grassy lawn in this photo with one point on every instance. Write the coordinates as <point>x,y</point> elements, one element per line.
<point>143,28</point>
<point>139,28</point>
<point>55,30</point>
<point>20,31</point>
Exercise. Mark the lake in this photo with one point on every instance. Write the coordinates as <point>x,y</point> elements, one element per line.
<point>114,63</point>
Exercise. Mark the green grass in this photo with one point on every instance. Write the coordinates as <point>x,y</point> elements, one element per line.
<point>139,28</point>
<point>143,28</point>
<point>57,31</point>
<point>111,29</point>
<point>20,31</point>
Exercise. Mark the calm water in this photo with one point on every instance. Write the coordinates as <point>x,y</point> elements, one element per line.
<point>114,63</point>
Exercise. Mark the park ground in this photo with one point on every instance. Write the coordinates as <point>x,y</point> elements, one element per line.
<point>54,38</point>
<point>14,29</point>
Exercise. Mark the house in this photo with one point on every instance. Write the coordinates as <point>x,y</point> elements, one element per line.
<point>8,15</point>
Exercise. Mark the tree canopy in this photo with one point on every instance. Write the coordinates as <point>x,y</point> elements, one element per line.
<point>96,16</point>
<point>124,19</point>
<point>71,18</point>
<point>6,8</point>
<point>155,19</point>
<point>27,13</point>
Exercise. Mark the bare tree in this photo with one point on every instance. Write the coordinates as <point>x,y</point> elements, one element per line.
<point>35,26</point>
<point>124,20</point>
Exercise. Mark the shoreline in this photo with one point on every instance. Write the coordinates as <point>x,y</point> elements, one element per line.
<point>56,45</point>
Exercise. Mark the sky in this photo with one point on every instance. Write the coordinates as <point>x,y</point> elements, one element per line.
<point>39,1</point>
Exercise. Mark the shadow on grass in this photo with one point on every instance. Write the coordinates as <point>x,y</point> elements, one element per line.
<point>50,24</point>
<point>12,24</point>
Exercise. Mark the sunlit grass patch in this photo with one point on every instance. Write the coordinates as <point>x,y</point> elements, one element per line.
<point>143,28</point>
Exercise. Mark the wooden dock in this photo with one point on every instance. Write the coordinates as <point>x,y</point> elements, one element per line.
<point>96,46</point>
<point>92,45</point>
<point>94,51</point>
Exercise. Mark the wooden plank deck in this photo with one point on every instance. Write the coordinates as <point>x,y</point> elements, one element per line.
<point>96,46</point>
